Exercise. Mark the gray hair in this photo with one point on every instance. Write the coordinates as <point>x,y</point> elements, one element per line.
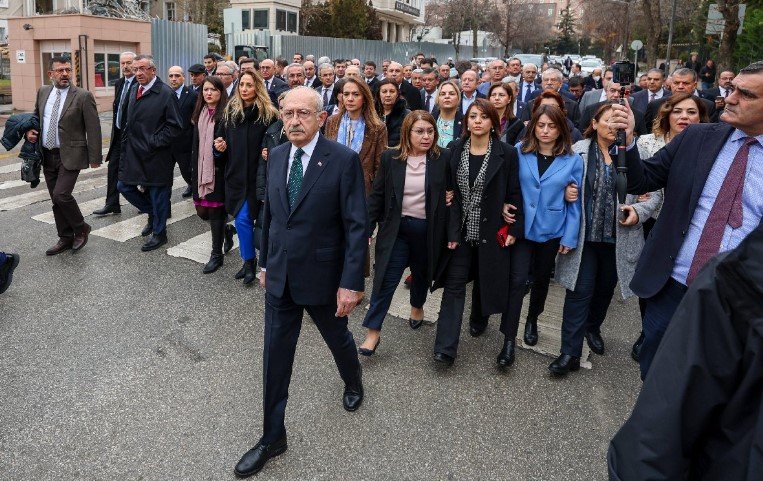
<point>656,70</point>
<point>683,72</point>
<point>528,65</point>
<point>148,57</point>
<point>225,66</point>
<point>314,93</point>
<point>552,71</point>
<point>311,58</point>
<point>296,65</point>
<point>323,60</point>
<point>755,67</point>
<point>133,54</point>
<point>232,65</point>
<point>325,66</point>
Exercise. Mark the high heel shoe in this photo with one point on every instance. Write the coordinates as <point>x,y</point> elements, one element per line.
<point>369,352</point>
<point>414,323</point>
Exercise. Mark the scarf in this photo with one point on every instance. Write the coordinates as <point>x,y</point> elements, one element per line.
<point>206,126</point>
<point>346,136</point>
<point>472,196</point>
<point>602,205</point>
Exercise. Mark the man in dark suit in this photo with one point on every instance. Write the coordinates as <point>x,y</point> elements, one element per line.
<point>431,83</point>
<point>71,141</point>
<point>273,84</point>
<point>469,91</point>
<point>684,80</point>
<point>552,81</point>
<point>594,81</point>
<point>311,79</point>
<point>121,87</point>
<point>181,150</point>
<point>146,167</point>
<point>409,92</point>
<point>326,89</point>
<point>613,95</point>
<point>314,243</point>
<point>722,90</point>
<point>713,180</point>
<point>369,74</point>
<point>527,86</point>
<point>655,78</point>
<point>198,75</point>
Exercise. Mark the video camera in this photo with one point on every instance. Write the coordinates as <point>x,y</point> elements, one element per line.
<point>623,73</point>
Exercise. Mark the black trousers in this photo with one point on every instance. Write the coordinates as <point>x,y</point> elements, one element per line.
<point>283,321</point>
<point>60,182</point>
<point>183,160</point>
<point>527,255</point>
<point>112,193</point>
<point>462,268</point>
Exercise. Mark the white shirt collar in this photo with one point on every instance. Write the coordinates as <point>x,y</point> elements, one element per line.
<point>307,154</point>
<point>149,85</point>
<point>179,90</point>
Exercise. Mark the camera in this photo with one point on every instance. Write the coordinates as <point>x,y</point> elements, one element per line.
<point>624,72</point>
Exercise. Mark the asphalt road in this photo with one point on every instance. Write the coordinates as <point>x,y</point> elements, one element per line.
<point>118,364</point>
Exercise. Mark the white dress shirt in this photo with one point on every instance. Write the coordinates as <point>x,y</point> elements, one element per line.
<point>724,92</point>
<point>657,95</point>
<point>46,113</point>
<point>467,101</point>
<point>306,155</point>
<point>603,96</point>
<point>229,89</point>
<point>179,92</point>
<point>309,82</point>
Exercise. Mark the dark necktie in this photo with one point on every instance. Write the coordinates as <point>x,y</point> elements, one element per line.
<point>726,93</point>
<point>727,209</point>
<point>527,93</point>
<point>140,92</point>
<point>429,102</point>
<point>122,97</point>
<point>295,178</point>
<point>325,96</point>
<point>652,97</point>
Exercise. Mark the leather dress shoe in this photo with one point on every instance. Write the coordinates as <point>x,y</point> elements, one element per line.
<point>230,231</point>
<point>444,358</point>
<point>595,342</point>
<point>6,271</point>
<point>254,460</point>
<point>215,262</point>
<point>564,364</point>
<point>636,350</point>
<point>531,332</point>
<point>63,244</point>
<point>506,356</point>
<point>81,239</point>
<point>476,329</point>
<point>250,271</point>
<point>414,323</point>
<point>108,209</point>
<point>149,229</point>
<point>353,393</point>
<point>155,242</point>
<point>187,192</point>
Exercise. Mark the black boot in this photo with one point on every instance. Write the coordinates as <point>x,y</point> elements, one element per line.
<point>241,272</point>
<point>531,332</point>
<point>636,350</point>
<point>250,271</point>
<point>217,226</point>
<point>230,231</point>
<point>506,356</point>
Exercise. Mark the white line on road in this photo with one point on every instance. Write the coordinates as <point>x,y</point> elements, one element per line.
<point>130,228</point>
<point>40,194</point>
<point>196,248</point>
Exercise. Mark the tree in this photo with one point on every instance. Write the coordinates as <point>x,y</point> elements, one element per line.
<point>348,18</point>
<point>653,29</point>
<point>565,42</point>
<point>749,48</point>
<point>373,25</point>
<point>512,25</point>
<point>313,19</point>
<point>730,11</point>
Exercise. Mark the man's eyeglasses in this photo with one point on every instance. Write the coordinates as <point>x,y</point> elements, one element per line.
<point>301,114</point>
<point>63,70</point>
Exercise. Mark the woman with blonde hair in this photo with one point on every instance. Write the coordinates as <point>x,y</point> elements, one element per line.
<point>358,126</point>
<point>447,112</point>
<point>247,117</point>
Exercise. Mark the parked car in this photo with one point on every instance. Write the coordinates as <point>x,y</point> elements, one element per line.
<point>588,65</point>
<point>536,59</point>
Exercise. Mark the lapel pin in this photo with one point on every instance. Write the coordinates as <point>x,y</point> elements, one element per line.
<point>320,164</point>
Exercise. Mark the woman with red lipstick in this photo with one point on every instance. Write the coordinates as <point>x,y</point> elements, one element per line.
<point>485,179</point>
<point>407,202</point>
<point>547,165</point>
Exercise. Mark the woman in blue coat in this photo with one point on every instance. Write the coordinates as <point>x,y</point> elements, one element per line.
<point>547,165</point>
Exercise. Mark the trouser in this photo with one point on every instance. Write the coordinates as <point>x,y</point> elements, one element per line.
<point>245,228</point>
<point>410,249</point>
<point>527,255</point>
<point>183,160</point>
<point>283,321</point>
<point>155,202</point>
<point>585,308</point>
<point>659,311</point>
<point>648,225</point>
<point>462,267</point>
<point>112,177</point>
<point>218,220</point>
<point>60,182</point>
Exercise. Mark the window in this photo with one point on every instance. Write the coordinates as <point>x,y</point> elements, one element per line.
<point>245,17</point>
<point>170,13</point>
<point>107,70</point>
<point>260,19</point>
<point>280,19</point>
<point>291,24</point>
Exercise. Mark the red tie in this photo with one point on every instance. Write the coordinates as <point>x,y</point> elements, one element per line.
<point>727,209</point>
<point>140,92</point>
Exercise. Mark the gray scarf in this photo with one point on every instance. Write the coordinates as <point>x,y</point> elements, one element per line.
<point>472,196</point>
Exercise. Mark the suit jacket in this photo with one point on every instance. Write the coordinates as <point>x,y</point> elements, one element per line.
<point>412,96</point>
<point>572,107</point>
<point>587,117</point>
<point>590,98</point>
<point>277,87</point>
<point>681,168</point>
<point>654,107</point>
<point>315,83</point>
<point>590,84</point>
<point>458,121</point>
<point>186,104</point>
<point>564,93</point>
<point>115,143</point>
<point>374,144</point>
<point>152,126</point>
<point>332,97</point>
<point>372,83</point>
<point>79,128</point>
<point>641,99</point>
<point>385,207</point>
<point>320,245</point>
<point>522,88</point>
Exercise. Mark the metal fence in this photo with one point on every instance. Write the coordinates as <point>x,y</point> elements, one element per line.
<point>286,45</point>
<point>177,43</point>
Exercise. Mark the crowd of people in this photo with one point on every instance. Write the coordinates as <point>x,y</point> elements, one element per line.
<point>504,177</point>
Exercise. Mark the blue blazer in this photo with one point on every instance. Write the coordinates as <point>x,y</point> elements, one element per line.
<point>547,215</point>
<point>321,244</point>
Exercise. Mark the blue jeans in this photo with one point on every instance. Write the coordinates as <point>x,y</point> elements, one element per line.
<point>155,202</point>
<point>586,307</point>
<point>659,311</point>
<point>245,228</point>
<point>410,249</point>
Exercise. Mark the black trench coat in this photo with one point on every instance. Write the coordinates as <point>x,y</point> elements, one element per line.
<point>242,157</point>
<point>501,186</point>
<point>385,207</point>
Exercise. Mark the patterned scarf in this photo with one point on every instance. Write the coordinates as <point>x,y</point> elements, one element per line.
<point>206,167</point>
<point>472,196</point>
<point>346,136</point>
<point>602,201</point>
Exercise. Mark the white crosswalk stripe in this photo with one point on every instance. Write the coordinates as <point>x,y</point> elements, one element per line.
<point>7,169</point>
<point>40,194</point>
<point>130,228</point>
<point>196,248</point>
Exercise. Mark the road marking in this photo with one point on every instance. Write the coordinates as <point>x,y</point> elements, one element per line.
<point>130,228</point>
<point>88,207</point>
<point>10,184</point>
<point>41,194</point>
<point>196,248</point>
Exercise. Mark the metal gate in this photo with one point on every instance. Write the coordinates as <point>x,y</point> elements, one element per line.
<point>177,43</point>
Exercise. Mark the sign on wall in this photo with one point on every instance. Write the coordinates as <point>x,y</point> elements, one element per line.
<point>20,56</point>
